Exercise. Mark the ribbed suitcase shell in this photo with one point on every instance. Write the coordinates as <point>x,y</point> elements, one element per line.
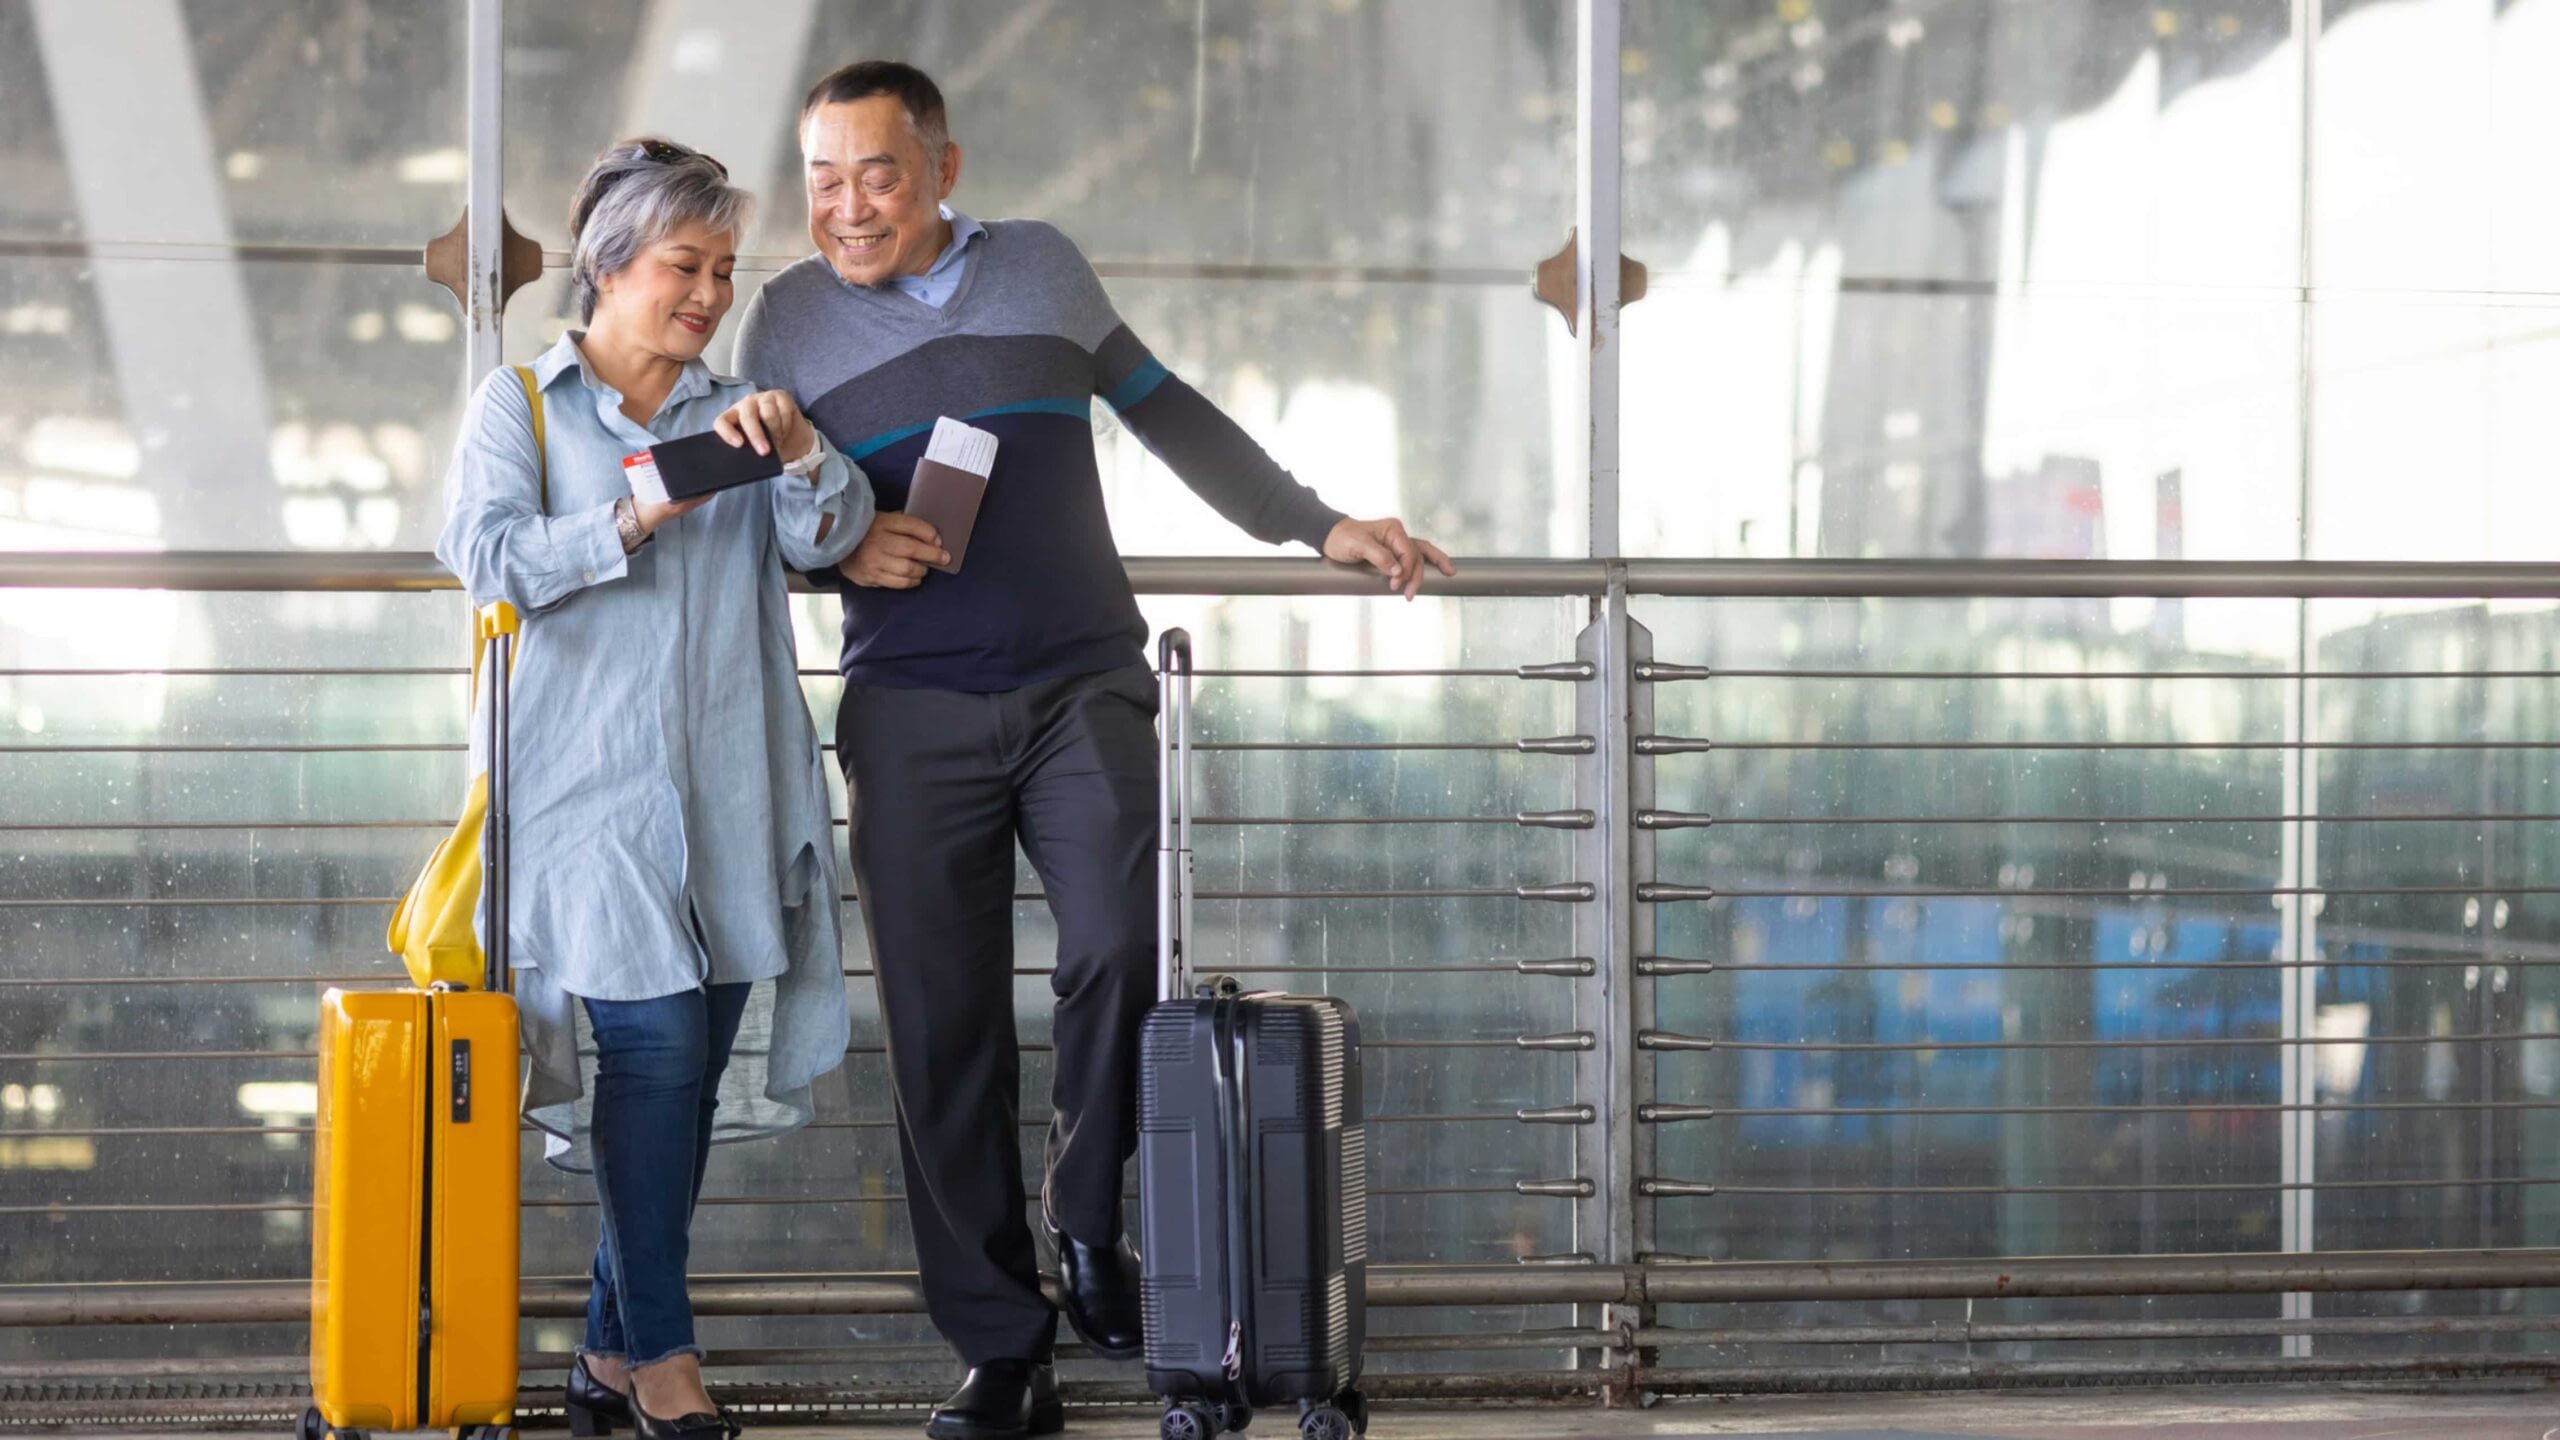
<point>415,1173</point>
<point>1304,1208</point>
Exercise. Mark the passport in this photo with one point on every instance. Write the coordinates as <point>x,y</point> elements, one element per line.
<point>695,466</point>
<point>949,484</point>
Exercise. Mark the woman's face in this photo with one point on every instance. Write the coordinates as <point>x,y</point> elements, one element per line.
<point>671,296</point>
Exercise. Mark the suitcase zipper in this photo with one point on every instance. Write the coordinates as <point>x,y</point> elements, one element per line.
<point>1227,1056</point>
<point>427,1214</point>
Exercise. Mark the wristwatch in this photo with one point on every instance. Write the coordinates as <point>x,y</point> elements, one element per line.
<point>807,465</point>
<point>626,524</point>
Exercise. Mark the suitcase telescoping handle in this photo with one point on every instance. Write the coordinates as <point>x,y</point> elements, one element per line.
<point>499,627</point>
<point>1173,815</point>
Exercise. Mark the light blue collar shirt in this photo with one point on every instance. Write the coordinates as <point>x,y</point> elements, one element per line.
<point>669,804</point>
<point>936,286</point>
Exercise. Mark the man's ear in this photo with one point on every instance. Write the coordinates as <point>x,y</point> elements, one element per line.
<point>950,168</point>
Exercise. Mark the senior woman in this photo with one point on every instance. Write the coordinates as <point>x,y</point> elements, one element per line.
<point>675,875</point>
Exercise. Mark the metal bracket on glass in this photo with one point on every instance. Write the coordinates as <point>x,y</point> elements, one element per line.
<point>448,261</point>
<point>1570,892</point>
<point>1673,1257</point>
<point>1562,1040</point>
<point>1673,819</point>
<point>1574,966</point>
<point>1569,1257</point>
<point>1663,672</point>
<point>1656,1185</point>
<point>1657,892</point>
<point>1556,819</point>
<point>1672,1040</point>
<point>1660,1114</point>
<point>1557,745</point>
<point>1664,965</point>
<point>1572,1188</point>
<point>1557,280</point>
<point>1559,670</point>
<point>1672,745</point>
<point>1559,1115</point>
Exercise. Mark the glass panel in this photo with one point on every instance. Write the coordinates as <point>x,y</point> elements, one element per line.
<point>1146,133</point>
<point>1770,417</point>
<point>2450,943</point>
<point>2425,110</point>
<point>313,408</point>
<point>209,1002</point>
<point>1967,279</point>
<point>336,124</point>
<point>1432,392</point>
<point>1943,1017</point>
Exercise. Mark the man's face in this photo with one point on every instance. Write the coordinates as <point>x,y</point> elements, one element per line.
<point>875,206</point>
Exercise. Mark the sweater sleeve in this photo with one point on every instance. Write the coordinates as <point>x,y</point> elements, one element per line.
<point>760,352</point>
<point>1210,452</point>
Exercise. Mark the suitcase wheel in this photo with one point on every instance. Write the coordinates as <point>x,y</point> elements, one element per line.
<point>1355,1408</point>
<point>315,1426</point>
<point>1324,1422</point>
<point>1231,1414</point>
<point>1187,1422</point>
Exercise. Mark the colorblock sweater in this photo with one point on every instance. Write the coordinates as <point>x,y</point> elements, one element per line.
<point>1021,349</point>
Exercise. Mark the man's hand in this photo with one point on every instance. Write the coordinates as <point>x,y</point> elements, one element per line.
<point>771,421</point>
<point>1383,546</point>
<point>894,554</point>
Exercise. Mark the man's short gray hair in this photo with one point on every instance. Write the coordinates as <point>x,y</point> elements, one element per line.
<point>927,118</point>
<point>636,195</point>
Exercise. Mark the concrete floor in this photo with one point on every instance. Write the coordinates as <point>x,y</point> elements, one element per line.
<point>2217,1413</point>
<point>2214,1413</point>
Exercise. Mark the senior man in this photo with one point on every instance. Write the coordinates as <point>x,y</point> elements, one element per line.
<point>1009,701</point>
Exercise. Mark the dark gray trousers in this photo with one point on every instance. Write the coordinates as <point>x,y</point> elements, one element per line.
<point>941,785</point>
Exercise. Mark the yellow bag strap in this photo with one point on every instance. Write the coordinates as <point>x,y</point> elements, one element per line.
<point>498,617</point>
<point>541,452</point>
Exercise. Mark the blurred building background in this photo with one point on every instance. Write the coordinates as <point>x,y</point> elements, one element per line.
<point>1969,280</point>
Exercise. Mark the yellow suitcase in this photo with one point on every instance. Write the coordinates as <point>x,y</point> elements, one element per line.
<point>414,1225</point>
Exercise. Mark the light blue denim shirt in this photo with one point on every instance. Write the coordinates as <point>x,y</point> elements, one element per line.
<point>936,285</point>
<point>669,806</point>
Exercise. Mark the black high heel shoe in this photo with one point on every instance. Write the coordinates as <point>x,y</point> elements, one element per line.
<point>714,1425</point>
<point>594,1407</point>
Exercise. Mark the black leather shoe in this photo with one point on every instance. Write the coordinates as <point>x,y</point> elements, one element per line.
<point>1001,1400</point>
<point>715,1425</point>
<point>594,1407</point>
<point>1100,1286</point>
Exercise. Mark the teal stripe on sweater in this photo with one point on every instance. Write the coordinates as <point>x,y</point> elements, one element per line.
<point>1076,405</point>
<point>1142,382</point>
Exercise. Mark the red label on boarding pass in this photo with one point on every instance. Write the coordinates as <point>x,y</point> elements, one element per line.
<point>640,472</point>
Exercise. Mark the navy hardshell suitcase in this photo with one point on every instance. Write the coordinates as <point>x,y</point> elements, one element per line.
<point>1253,1171</point>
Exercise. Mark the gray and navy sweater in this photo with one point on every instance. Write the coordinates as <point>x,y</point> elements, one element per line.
<point>1020,349</point>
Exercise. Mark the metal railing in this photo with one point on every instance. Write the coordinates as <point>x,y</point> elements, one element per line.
<point>1640,1036</point>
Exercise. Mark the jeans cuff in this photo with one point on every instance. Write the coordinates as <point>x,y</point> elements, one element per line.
<point>677,1353</point>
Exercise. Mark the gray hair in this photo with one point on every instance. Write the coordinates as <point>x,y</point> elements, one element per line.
<point>636,195</point>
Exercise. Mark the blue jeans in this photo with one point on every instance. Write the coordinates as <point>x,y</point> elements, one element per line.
<point>657,1079</point>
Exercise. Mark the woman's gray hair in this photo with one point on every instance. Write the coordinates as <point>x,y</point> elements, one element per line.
<point>636,195</point>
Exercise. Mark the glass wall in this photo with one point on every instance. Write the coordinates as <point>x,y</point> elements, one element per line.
<point>1996,279</point>
<point>1364,320</point>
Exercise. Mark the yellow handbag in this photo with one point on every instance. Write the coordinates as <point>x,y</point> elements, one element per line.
<point>431,928</point>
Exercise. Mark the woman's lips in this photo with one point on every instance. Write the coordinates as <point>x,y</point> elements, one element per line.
<point>695,323</point>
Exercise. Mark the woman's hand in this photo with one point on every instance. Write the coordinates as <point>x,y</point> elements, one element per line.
<point>654,513</point>
<point>771,421</point>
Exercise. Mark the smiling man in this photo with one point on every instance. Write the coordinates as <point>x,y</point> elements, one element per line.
<point>1009,701</point>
